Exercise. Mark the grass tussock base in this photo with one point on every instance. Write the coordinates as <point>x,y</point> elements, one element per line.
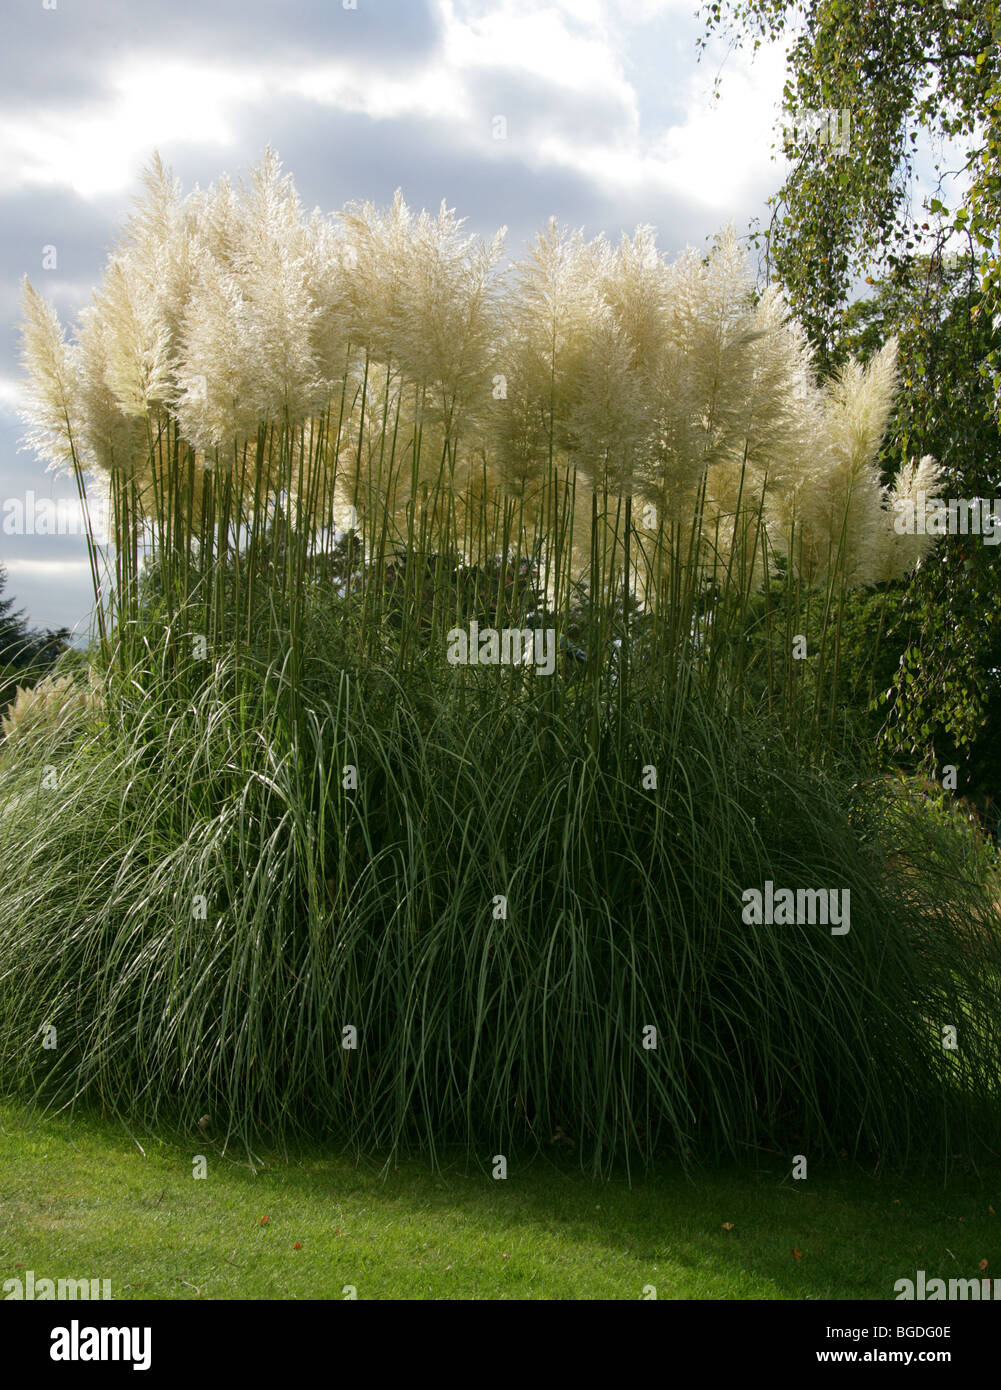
<point>206,896</point>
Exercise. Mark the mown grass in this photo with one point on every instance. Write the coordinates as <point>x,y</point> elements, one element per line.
<point>78,1199</point>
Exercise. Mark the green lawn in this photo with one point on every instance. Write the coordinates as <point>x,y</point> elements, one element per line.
<point>79,1200</point>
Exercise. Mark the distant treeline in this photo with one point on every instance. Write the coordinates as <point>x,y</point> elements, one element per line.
<point>25,653</point>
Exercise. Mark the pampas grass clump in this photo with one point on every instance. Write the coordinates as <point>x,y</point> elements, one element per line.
<point>327,443</point>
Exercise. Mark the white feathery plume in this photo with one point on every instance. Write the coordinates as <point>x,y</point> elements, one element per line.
<point>546,320</point>
<point>376,249</point>
<point>158,246</point>
<point>899,551</point>
<point>140,369</point>
<point>217,392</point>
<point>52,389</point>
<point>609,422</point>
<point>783,416</point>
<point>272,269</point>
<point>840,502</point>
<point>704,381</point>
<point>633,281</point>
<point>115,442</point>
<point>323,268</point>
<point>448,316</point>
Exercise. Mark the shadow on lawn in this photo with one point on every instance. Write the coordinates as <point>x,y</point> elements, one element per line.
<point>843,1233</point>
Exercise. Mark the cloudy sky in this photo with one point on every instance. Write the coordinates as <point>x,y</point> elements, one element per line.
<point>607,119</point>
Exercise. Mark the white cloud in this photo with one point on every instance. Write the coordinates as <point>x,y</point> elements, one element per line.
<point>11,396</point>
<point>430,93</point>
<point>574,57</point>
<point>48,569</point>
<point>540,42</point>
<point>715,153</point>
<point>722,150</point>
<point>94,150</point>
